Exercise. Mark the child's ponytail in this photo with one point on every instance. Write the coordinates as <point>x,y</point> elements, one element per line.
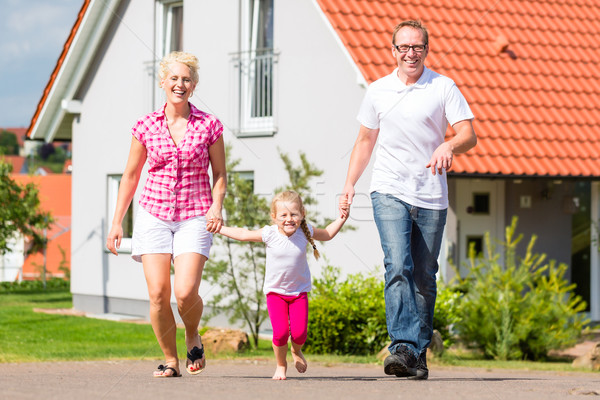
<point>304,227</point>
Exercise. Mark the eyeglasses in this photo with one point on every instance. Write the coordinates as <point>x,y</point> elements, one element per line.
<point>404,48</point>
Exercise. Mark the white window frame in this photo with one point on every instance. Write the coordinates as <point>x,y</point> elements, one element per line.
<point>112,191</point>
<point>249,125</point>
<point>163,28</point>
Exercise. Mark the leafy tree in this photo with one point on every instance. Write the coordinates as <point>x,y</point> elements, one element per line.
<point>8,141</point>
<point>20,212</point>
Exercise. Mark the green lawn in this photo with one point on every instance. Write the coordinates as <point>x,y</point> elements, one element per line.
<point>28,336</point>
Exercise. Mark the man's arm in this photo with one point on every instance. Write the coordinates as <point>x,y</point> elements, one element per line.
<point>464,140</point>
<point>359,159</point>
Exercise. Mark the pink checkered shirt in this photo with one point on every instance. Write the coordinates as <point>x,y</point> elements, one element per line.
<point>178,185</point>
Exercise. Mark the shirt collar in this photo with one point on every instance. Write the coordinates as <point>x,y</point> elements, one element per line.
<point>160,113</point>
<point>422,82</point>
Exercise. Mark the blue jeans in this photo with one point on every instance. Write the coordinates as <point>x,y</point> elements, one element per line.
<point>411,238</point>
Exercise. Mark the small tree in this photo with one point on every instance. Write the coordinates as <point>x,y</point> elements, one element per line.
<point>299,178</point>
<point>521,308</point>
<point>240,274</point>
<point>20,212</point>
<point>9,142</point>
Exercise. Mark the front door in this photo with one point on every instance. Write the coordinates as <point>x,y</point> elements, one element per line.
<point>480,209</point>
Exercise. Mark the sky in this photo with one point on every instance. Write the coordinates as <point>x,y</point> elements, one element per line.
<point>32,34</point>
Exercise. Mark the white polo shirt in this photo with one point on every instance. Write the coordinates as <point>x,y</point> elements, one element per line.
<point>412,122</point>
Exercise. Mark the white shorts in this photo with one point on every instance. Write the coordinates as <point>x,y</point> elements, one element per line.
<point>152,235</point>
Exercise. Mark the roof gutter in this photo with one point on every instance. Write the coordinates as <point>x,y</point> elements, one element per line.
<point>79,51</point>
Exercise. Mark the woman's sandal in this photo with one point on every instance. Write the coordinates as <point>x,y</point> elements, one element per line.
<point>193,355</point>
<point>165,368</point>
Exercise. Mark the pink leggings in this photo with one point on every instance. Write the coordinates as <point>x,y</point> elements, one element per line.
<point>289,315</point>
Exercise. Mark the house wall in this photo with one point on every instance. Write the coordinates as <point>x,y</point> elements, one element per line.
<point>113,96</point>
<point>553,234</point>
<point>318,102</point>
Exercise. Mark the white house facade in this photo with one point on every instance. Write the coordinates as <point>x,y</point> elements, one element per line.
<point>280,79</point>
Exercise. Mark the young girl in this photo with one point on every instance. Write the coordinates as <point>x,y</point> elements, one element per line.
<point>287,277</point>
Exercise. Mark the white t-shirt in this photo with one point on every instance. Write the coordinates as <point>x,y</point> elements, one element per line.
<point>412,122</point>
<point>286,270</point>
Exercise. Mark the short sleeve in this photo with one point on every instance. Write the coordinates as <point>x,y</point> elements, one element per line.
<point>457,108</point>
<point>138,132</point>
<point>267,233</point>
<point>367,116</point>
<point>216,132</point>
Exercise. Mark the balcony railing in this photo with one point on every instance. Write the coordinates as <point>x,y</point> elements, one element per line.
<point>254,78</point>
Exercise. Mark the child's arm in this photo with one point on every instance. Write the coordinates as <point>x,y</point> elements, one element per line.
<point>333,228</point>
<point>242,234</point>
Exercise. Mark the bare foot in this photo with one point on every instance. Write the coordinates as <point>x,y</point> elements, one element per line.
<point>197,365</point>
<point>280,373</point>
<point>299,360</point>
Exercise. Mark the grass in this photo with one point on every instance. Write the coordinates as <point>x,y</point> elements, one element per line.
<point>29,336</point>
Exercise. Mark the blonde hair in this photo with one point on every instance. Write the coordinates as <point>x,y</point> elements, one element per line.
<point>179,57</point>
<point>293,197</point>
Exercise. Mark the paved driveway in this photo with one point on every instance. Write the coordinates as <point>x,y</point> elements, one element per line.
<point>231,380</point>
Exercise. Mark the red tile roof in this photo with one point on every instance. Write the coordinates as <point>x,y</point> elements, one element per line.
<point>17,162</point>
<point>536,104</point>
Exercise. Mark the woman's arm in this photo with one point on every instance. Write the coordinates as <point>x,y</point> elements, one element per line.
<point>127,187</point>
<point>214,216</point>
<point>241,234</point>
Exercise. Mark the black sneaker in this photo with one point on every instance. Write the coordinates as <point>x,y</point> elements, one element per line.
<point>422,371</point>
<point>402,363</point>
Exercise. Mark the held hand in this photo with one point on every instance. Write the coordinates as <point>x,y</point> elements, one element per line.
<point>441,159</point>
<point>345,201</point>
<point>344,207</point>
<point>113,241</point>
<point>214,219</point>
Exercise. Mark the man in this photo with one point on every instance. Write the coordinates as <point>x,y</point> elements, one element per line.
<point>408,111</point>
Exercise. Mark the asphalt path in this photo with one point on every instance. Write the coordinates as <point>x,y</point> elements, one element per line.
<point>231,380</point>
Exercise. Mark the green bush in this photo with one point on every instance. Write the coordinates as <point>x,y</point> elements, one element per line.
<point>517,308</point>
<point>346,317</point>
<point>447,306</point>
<point>37,285</point>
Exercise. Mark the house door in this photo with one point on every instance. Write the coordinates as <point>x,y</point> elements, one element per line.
<point>480,209</point>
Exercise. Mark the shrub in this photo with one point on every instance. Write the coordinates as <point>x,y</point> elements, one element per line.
<point>54,284</point>
<point>520,307</point>
<point>447,305</point>
<point>346,317</point>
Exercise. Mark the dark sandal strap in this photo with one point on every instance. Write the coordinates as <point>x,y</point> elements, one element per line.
<point>165,368</point>
<point>195,354</point>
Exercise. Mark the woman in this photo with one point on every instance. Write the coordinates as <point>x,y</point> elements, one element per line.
<point>178,212</point>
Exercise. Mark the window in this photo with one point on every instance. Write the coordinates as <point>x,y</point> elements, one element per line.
<point>255,70</point>
<point>481,203</point>
<point>171,27</point>
<point>168,29</point>
<point>113,189</point>
<point>477,243</point>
